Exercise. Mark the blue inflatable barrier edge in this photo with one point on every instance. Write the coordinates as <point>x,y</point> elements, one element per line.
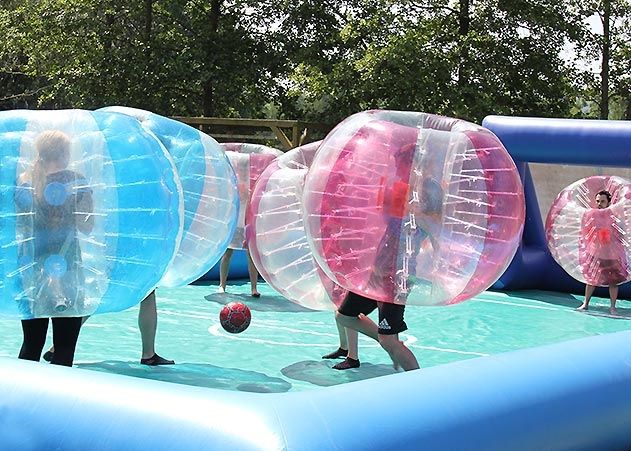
<point>573,395</point>
<point>238,268</point>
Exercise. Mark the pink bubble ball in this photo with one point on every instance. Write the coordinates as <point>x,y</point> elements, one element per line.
<point>276,235</point>
<point>414,208</point>
<point>248,161</point>
<point>590,243</point>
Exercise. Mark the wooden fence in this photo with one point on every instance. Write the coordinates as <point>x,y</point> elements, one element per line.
<point>288,133</point>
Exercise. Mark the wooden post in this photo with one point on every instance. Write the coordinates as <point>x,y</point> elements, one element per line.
<point>274,126</point>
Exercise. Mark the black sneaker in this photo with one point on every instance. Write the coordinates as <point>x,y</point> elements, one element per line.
<point>347,364</point>
<point>156,360</point>
<point>48,356</point>
<point>336,354</point>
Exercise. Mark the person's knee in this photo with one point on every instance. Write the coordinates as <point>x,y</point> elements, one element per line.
<point>389,342</point>
<point>227,255</point>
<point>344,319</point>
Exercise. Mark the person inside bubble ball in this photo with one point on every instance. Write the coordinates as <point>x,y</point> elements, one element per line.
<point>609,266</point>
<point>352,313</point>
<point>53,155</point>
<point>62,205</point>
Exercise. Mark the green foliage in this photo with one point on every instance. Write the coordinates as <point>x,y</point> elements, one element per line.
<point>506,62</point>
<point>318,60</point>
<point>618,77</point>
<point>90,53</point>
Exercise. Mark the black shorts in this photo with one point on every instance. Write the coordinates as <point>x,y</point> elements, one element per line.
<point>390,315</point>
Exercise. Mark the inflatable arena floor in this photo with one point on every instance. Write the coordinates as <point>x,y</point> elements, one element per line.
<point>281,350</point>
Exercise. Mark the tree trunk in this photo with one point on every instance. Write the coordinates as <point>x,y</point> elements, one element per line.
<point>208,101</point>
<point>107,42</point>
<point>463,18</point>
<point>604,70</point>
<point>463,31</point>
<point>215,13</point>
<point>148,22</point>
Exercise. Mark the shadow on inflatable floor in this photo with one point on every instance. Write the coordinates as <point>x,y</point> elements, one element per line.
<point>266,303</point>
<point>597,307</point>
<point>195,374</point>
<point>319,372</point>
<point>603,312</point>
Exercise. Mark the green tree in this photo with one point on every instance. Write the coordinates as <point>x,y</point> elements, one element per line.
<point>307,59</point>
<point>226,53</point>
<point>80,54</point>
<point>467,59</point>
<point>169,56</point>
<point>607,46</point>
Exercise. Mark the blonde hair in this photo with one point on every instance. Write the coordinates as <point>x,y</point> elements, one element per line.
<point>52,146</point>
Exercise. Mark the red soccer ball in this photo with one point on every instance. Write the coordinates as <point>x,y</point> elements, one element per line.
<point>235,317</point>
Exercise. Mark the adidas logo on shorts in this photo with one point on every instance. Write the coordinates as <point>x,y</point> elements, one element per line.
<point>384,325</point>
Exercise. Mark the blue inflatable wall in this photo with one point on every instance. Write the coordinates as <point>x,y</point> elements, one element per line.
<point>238,268</point>
<point>560,141</point>
<point>570,396</point>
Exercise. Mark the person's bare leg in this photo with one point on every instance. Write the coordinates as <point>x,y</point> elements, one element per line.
<point>342,350</point>
<point>348,340</point>
<point>589,291</point>
<point>613,297</point>
<point>352,338</point>
<point>148,324</point>
<point>399,353</point>
<point>359,323</point>
<point>223,269</point>
<point>254,275</point>
<point>341,332</point>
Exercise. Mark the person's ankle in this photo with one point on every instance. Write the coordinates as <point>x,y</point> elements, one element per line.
<point>155,360</point>
<point>347,364</point>
<point>339,352</point>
